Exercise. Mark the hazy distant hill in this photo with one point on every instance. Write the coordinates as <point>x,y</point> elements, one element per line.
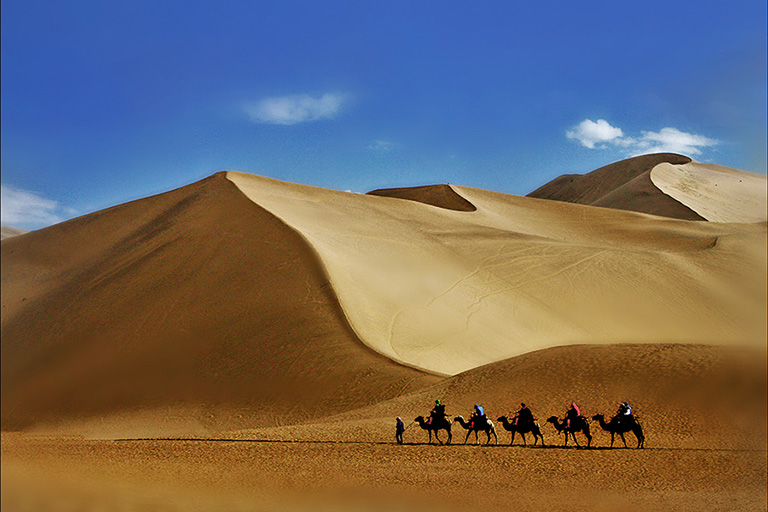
<point>7,232</point>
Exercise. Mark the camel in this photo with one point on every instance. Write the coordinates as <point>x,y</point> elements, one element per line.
<point>489,428</point>
<point>532,427</point>
<point>578,425</point>
<point>615,428</point>
<point>436,425</point>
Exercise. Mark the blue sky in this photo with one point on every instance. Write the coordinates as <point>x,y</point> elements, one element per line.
<point>105,102</point>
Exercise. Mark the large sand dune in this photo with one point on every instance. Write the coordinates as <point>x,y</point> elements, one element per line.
<point>182,312</point>
<point>448,290</point>
<point>242,301</point>
<point>266,334</point>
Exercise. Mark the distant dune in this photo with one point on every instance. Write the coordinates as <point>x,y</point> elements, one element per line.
<point>442,196</point>
<point>240,301</point>
<point>7,232</point>
<point>624,185</point>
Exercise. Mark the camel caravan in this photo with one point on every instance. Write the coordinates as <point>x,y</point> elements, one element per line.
<point>523,422</point>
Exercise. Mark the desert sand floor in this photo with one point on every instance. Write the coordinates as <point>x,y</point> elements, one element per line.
<point>197,475</point>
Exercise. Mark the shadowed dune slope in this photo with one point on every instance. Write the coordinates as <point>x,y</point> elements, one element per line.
<point>442,196</point>
<point>190,311</point>
<point>448,291</point>
<point>624,185</point>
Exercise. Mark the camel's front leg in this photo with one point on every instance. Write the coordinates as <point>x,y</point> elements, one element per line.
<point>575,440</point>
<point>469,433</point>
<point>437,436</point>
<point>612,436</point>
<point>513,438</point>
<point>622,438</point>
<point>525,443</point>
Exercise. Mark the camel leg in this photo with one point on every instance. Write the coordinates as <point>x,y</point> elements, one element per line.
<point>437,436</point>
<point>513,438</point>
<point>449,436</point>
<point>575,440</point>
<point>525,443</point>
<point>621,434</point>
<point>469,433</point>
<point>612,435</point>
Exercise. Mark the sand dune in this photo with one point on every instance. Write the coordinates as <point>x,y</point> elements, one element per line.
<point>268,333</point>
<point>242,301</point>
<point>443,196</point>
<point>7,232</point>
<point>177,313</point>
<point>448,290</point>
<point>624,185</point>
<point>717,193</point>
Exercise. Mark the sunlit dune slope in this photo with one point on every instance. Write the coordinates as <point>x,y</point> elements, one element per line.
<point>448,290</point>
<point>624,185</point>
<point>717,193</point>
<point>184,312</point>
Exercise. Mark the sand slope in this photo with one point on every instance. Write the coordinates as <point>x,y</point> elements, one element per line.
<point>717,193</point>
<point>185,312</point>
<point>7,232</point>
<point>241,301</point>
<point>624,185</point>
<point>449,290</point>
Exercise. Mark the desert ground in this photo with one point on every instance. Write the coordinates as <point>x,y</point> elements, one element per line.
<point>243,343</point>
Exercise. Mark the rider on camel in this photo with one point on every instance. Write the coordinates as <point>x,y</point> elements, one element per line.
<point>437,413</point>
<point>624,415</point>
<point>478,415</point>
<point>572,414</point>
<point>524,416</point>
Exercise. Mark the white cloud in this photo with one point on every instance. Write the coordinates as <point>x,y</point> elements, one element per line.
<point>600,134</point>
<point>294,109</point>
<point>28,210</point>
<point>673,140</point>
<point>589,133</point>
<point>382,145</point>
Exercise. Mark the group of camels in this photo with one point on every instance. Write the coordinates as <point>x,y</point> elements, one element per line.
<point>578,425</point>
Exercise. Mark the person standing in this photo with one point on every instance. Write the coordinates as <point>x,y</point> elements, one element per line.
<point>399,429</point>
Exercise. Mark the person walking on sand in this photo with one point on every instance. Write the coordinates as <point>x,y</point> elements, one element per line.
<point>399,429</point>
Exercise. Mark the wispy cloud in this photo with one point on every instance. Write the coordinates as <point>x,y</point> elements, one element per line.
<point>672,140</point>
<point>294,109</point>
<point>601,135</point>
<point>382,146</point>
<point>28,210</point>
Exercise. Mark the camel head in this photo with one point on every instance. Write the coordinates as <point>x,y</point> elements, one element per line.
<point>501,418</point>
<point>419,419</point>
<point>552,419</point>
<point>598,417</point>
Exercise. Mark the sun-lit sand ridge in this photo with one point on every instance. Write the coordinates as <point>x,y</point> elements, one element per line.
<point>447,290</point>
